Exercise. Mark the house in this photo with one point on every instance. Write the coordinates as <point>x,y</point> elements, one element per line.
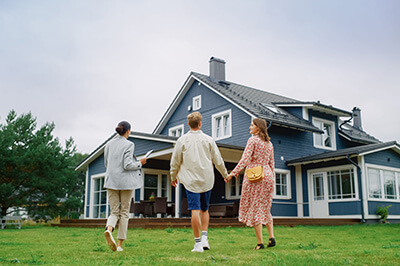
<point>327,166</point>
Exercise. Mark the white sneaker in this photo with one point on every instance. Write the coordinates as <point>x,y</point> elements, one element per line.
<point>204,242</point>
<point>110,240</point>
<point>120,248</point>
<point>198,247</point>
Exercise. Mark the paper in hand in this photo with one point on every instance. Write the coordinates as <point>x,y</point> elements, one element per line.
<point>148,153</point>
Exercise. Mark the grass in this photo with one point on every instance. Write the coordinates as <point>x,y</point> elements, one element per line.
<point>300,245</point>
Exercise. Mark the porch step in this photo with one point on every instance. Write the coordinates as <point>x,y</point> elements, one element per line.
<point>214,222</point>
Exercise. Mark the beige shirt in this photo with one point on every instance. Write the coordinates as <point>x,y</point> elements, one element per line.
<point>192,161</point>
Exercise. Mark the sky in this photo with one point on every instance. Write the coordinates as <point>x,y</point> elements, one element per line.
<point>86,65</point>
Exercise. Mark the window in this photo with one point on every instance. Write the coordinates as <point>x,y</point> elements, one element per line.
<point>156,184</point>
<point>234,188</point>
<point>196,103</point>
<point>99,207</point>
<point>326,140</point>
<point>272,108</point>
<point>282,184</point>
<point>176,131</point>
<point>221,125</point>
<point>341,184</point>
<point>383,183</point>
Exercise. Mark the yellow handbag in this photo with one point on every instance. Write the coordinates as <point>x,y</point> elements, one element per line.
<point>255,174</point>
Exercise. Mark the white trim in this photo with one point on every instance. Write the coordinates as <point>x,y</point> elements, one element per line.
<point>195,107</point>
<point>305,114</point>
<point>237,185</point>
<point>86,194</point>
<point>213,124</point>
<point>381,168</point>
<point>156,154</point>
<point>181,127</point>
<point>299,191</point>
<point>288,184</point>
<point>381,149</point>
<point>97,176</point>
<point>159,174</point>
<point>333,133</point>
<point>184,89</point>
<point>364,181</point>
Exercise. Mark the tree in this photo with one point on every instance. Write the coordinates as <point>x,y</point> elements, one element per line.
<point>36,172</point>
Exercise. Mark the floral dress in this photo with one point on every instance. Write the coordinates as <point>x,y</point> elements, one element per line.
<point>256,199</point>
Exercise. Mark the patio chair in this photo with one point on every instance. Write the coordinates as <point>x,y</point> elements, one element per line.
<point>160,205</point>
<point>137,208</point>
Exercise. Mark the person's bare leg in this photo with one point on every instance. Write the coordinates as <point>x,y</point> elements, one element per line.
<point>205,219</point>
<point>196,223</point>
<point>120,242</point>
<point>258,230</point>
<point>270,228</point>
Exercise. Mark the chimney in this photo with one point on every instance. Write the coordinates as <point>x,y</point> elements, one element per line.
<point>357,118</point>
<point>217,69</point>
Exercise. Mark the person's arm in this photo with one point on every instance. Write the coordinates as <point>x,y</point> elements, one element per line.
<point>246,157</point>
<point>217,160</point>
<point>176,161</point>
<point>271,161</point>
<point>106,156</point>
<point>130,163</point>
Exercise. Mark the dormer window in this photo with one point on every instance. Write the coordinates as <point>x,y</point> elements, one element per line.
<point>176,131</point>
<point>326,140</point>
<point>272,108</point>
<point>196,102</point>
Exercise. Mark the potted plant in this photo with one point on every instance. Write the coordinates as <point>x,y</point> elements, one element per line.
<point>383,213</point>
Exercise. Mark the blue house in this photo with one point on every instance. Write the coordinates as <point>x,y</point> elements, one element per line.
<point>327,166</point>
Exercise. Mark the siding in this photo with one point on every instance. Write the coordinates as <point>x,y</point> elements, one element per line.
<point>388,158</point>
<point>373,205</point>
<point>279,209</point>
<point>143,145</point>
<point>211,103</point>
<point>345,208</point>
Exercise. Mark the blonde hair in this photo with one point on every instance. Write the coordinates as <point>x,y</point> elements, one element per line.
<point>194,119</point>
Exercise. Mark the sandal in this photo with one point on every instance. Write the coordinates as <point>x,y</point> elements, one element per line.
<point>259,246</point>
<point>271,243</point>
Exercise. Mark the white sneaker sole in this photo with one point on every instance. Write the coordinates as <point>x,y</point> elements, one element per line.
<point>110,240</point>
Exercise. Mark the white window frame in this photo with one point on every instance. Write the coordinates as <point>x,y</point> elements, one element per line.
<point>195,100</point>
<point>159,173</point>
<point>174,129</point>
<point>237,195</point>
<point>325,171</point>
<point>228,188</point>
<point>381,169</point>
<point>333,134</point>
<point>91,205</point>
<point>214,124</point>
<point>288,184</point>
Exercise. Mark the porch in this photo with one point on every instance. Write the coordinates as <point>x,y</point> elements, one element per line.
<point>162,223</point>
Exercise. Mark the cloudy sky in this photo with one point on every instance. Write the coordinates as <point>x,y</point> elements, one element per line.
<point>85,65</point>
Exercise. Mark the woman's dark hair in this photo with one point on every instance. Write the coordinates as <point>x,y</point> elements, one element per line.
<point>262,125</point>
<point>123,127</point>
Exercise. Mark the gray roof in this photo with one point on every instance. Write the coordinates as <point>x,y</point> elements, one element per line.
<point>357,135</point>
<point>252,99</point>
<point>343,153</point>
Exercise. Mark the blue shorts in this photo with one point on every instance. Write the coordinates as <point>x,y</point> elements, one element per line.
<point>198,201</point>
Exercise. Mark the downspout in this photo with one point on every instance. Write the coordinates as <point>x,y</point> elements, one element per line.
<point>359,186</point>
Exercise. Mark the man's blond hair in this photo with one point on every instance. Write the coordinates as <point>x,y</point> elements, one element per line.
<point>194,119</point>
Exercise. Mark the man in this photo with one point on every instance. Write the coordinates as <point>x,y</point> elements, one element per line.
<point>192,165</point>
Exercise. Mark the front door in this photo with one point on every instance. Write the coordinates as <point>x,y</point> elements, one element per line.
<point>319,196</point>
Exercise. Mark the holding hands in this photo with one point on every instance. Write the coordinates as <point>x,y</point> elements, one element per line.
<point>229,177</point>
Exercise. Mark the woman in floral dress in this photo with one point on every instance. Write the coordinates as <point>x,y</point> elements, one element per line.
<point>256,199</point>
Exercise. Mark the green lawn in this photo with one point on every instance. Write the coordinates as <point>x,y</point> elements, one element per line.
<point>301,245</point>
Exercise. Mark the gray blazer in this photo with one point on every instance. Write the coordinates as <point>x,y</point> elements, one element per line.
<point>123,169</point>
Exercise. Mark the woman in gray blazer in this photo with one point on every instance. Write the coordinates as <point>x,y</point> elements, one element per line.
<point>123,176</point>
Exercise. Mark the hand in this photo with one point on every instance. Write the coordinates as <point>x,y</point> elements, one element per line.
<point>229,177</point>
<point>174,183</point>
<point>143,161</point>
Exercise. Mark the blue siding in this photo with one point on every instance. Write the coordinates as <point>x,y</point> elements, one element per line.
<point>387,158</point>
<point>345,208</point>
<point>284,209</point>
<point>373,205</point>
<point>211,103</point>
<point>96,167</point>
<point>296,111</point>
<point>143,145</point>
